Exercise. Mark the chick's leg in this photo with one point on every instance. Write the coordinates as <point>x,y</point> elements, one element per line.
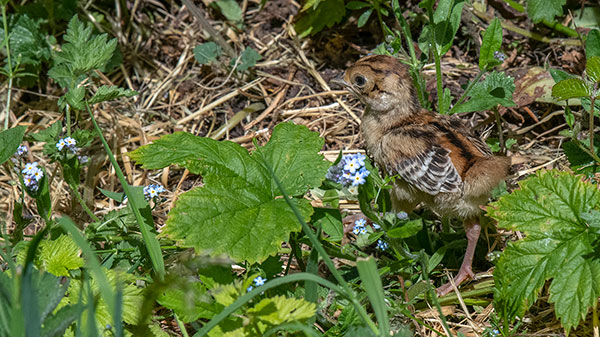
<point>472,229</point>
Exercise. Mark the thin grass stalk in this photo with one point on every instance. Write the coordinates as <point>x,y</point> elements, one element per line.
<point>149,239</point>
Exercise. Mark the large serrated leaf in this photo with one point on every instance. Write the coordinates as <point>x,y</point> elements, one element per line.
<point>495,89</point>
<point>549,209</point>
<point>280,309</point>
<point>570,88</point>
<point>189,301</point>
<point>108,93</point>
<point>239,211</point>
<point>59,256</point>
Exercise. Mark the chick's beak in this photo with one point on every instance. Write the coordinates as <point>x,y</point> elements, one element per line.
<point>340,81</point>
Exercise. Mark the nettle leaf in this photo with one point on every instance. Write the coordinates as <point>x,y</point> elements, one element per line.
<point>239,211</point>
<point>321,14</point>
<point>60,255</point>
<point>83,51</point>
<point>538,10</point>
<point>280,309</point>
<point>207,52</point>
<point>108,93</point>
<point>548,209</point>
<point>495,89</point>
<point>570,88</point>
<point>491,42</point>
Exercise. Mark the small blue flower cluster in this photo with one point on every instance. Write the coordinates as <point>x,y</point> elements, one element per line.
<point>350,171</point>
<point>258,281</point>
<point>382,245</point>
<point>21,150</point>
<point>151,191</point>
<point>67,142</point>
<point>32,175</point>
<point>359,227</point>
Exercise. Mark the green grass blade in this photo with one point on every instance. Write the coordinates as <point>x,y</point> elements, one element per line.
<point>371,282</point>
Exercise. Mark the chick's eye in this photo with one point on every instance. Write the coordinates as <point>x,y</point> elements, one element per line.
<point>360,80</point>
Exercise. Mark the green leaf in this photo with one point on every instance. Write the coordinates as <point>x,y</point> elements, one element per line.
<point>326,14</point>
<point>59,256</point>
<point>592,68</point>
<point>580,161</point>
<point>548,209</point>
<point>207,52</point>
<point>189,301</point>
<point>83,51</point>
<point>109,93</point>
<point>27,43</point>
<point>539,10</point>
<point>495,89</point>
<point>239,193</point>
<point>446,22</point>
<point>491,42</point>
<point>364,17</point>
<point>371,282</point>
<point>570,88</point>
<point>592,43</point>
<point>248,59</point>
<point>330,221</point>
<point>75,97</point>
<point>280,309</point>
<point>406,230</point>
<point>230,9</point>
<point>10,140</point>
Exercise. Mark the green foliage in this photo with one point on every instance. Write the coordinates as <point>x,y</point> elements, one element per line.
<point>48,291</point>
<point>495,89</point>
<point>570,88</point>
<point>57,256</point>
<point>28,44</point>
<point>592,43</point>
<point>207,52</point>
<point>231,10</point>
<point>539,10</point>
<point>442,26</point>
<point>239,193</point>
<point>109,93</point>
<point>318,14</point>
<point>248,59</point>
<point>557,212</point>
<point>10,140</point>
<point>490,44</point>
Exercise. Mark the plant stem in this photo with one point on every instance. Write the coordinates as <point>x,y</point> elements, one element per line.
<point>586,150</point>
<point>157,262</point>
<point>432,294</point>
<point>436,58</point>
<point>10,69</point>
<point>500,134</point>
<point>87,210</point>
<point>591,125</point>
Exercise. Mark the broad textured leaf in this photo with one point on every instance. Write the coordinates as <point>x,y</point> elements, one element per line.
<point>495,89</point>
<point>108,93</point>
<point>580,161</point>
<point>280,309</point>
<point>538,10</point>
<point>548,208</point>
<point>10,140</point>
<point>406,230</point>
<point>207,52</point>
<point>326,14</point>
<point>570,88</point>
<point>239,211</point>
<point>60,255</point>
<point>330,221</point>
<point>491,42</point>
<point>447,21</point>
<point>592,68</point>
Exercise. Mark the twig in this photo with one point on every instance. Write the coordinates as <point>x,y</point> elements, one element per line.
<point>197,13</point>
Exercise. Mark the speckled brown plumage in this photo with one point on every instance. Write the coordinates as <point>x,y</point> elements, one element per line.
<point>439,161</point>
